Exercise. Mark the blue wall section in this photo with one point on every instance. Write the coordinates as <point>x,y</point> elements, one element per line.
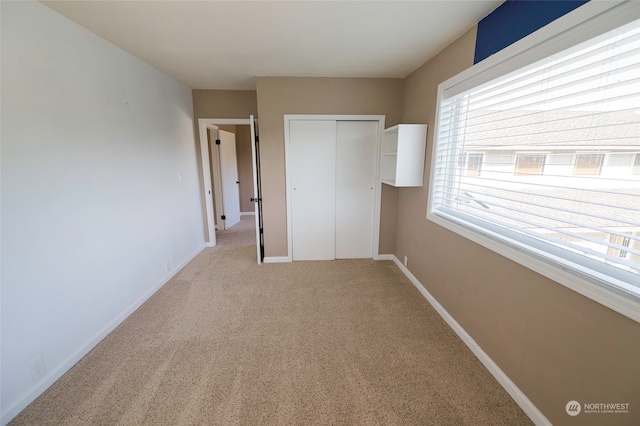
<point>515,19</point>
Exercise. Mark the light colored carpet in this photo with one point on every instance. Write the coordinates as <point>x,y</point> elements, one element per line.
<point>230,342</point>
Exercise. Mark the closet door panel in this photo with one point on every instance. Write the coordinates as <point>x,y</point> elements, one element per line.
<point>355,188</point>
<point>313,189</point>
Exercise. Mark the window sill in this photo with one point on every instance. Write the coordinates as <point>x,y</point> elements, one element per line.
<point>565,275</point>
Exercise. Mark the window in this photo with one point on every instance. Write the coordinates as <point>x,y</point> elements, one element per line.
<point>588,164</point>
<point>625,243</point>
<point>578,94</point>
<point>530,164</point>
<point>474,164</point>
<point>619,240</point>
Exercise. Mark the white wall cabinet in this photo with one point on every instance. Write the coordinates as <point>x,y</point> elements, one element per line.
<point>402,155</point>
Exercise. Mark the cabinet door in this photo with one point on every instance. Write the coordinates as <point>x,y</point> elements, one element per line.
<point>355,188</point>
<point>313,189</point>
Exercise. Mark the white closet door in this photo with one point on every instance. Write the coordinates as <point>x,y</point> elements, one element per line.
<point>313,193</point>
<point>355,188</point>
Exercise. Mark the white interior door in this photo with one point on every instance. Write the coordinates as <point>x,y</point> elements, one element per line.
<point>313,181</point>
<point>209,170</point>
<point>229,178</point>
<point>216,180</point>
<point>357,142</point>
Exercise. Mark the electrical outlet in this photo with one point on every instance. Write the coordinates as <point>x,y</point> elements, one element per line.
<point>406,261</point>
<point>37,368</point>
<point>166,267</point>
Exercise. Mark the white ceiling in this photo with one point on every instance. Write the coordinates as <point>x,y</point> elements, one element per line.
<point>226,44</point>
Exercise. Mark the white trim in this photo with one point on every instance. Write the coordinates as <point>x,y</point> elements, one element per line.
<point>247,213</point>
<point>203,125</point>
<point>287,146</point>
<point>518,396</point>
<point>49,379</point>
<point>385,257</point>
<point>591,19</point>
<point>227,121</point>
<point>277,259</point>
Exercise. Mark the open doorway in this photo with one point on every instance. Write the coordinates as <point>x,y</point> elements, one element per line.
<point>217,137</point>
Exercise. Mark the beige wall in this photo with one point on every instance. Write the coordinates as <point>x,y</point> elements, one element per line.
<point>555,344</point>
<point>219,104</point>
<point>224,103</point>
<point>388,217</point>
<point>278,96</point>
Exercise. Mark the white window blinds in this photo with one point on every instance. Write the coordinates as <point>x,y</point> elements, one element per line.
<point>558,141</point>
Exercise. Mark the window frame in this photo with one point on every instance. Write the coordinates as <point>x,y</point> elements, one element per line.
<point>476,171</point>
<point>588,21</point>
<point>635,165</point>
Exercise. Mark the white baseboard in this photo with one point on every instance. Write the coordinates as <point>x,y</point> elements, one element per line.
<point>518,396</point>
<point>247,213</point>
<point>277,259</point>
<point>35,391</point>
<point>385,257</point>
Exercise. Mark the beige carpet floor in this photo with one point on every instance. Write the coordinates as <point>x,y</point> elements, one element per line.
<point>229,342</point>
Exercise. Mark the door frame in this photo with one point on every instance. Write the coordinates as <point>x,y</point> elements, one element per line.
<point>203,125</point>
<point>378,187</point>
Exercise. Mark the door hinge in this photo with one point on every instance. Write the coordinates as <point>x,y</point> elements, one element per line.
<point>217,141</point>
<point>257,138</point>
<point>224,217</point>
